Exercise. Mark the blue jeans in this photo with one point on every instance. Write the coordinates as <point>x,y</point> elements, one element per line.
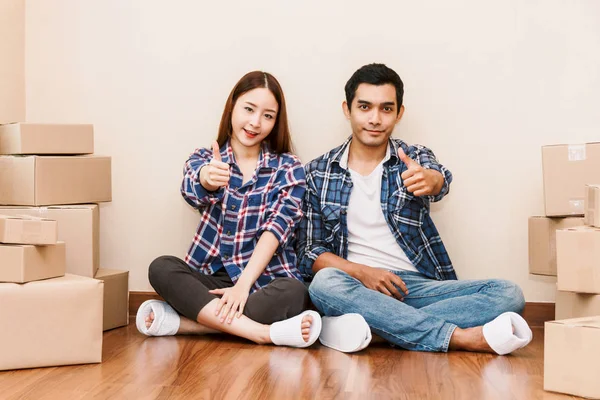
<point>427,317</point>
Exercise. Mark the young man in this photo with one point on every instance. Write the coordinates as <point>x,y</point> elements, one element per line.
<point>368,238</point>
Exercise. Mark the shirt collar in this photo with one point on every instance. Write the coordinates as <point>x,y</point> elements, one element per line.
<point>341,156</point>
<point>266,158</point>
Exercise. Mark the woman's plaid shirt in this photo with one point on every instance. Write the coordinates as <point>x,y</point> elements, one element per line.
<point>233,218</point>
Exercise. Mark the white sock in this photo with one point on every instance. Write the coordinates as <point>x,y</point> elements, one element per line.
<point>166,319</point>
<point>346,333</point>
<point>289,332</point>
<point>499,333</point>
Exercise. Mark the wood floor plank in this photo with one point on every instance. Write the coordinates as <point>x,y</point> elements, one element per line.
<point>223,367</point>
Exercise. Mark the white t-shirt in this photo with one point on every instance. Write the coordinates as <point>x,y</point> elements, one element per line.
<point>370,240</point>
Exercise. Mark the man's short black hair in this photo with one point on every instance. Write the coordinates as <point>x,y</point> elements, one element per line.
<point>374,74</point>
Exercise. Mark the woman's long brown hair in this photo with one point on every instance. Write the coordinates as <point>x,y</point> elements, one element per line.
<point>279,139</point>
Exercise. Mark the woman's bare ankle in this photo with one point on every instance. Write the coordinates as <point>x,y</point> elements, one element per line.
<point>189,327</point>
<point>262,335</point>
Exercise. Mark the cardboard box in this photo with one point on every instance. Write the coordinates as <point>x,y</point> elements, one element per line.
<point>576,305</point>
<point>578,259</point>
<point>26,263</point>
<point>52,322</point>
<point>78,227</point>
<point>542,242</point>
<point>571,354</point>
<point>37,181</point>
<point>27,230</point>
<point>116,297</point>
<point>592,205</point>
<point>567,169</point>
<point>26,138</point>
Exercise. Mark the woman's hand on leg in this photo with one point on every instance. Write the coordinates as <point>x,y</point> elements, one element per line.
<point>232,302</point>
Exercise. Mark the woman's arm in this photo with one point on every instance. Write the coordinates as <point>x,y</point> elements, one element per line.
<point>192,190</point>
<point>284,212</point>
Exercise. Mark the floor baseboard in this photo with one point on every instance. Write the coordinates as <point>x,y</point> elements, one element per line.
<point>534,313</point>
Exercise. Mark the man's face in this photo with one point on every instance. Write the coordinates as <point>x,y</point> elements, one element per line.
<point>373,114</point>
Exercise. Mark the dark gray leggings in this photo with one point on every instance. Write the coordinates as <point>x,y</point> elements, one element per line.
<point>187,292</point>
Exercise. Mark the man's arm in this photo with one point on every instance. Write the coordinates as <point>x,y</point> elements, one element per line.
<point>425,176</point>
<point>310,243</point>
<point>378,279</point>
<point>314,253</point>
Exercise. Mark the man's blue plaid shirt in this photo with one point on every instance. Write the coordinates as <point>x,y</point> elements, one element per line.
<point>324,227</point>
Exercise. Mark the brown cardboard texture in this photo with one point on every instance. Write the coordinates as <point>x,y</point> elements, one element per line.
<point>592,205</point>
<point>27,230</point>
<point>116,297</point>
<point>576,305</point>
<point>578,259</point>
<point>52,322</point>
<point>542,242</point>
<point>26,138</point>
<point>567,169</point>
<point>50,180</point>
<point>78,227</point>
<point>26,263</point>
<point>571,354</point>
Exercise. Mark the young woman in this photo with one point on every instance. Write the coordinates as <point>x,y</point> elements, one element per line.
<point>240,275</point>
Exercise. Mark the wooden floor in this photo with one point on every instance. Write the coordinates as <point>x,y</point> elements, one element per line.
<point>222,367</point>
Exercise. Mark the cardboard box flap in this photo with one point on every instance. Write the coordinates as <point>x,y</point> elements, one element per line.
<point>108,273</point>
<point>71,207</point>
<point>567,144</point>
<point>585,322</point>
<point>53,207</point>
<point>583,228</point>
<point>26,217</point>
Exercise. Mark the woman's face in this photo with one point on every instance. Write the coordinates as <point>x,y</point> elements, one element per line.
<point>253,117</point>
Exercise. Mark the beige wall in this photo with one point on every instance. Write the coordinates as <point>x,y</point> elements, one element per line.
<point>12,64</point>
<point>487,84</point>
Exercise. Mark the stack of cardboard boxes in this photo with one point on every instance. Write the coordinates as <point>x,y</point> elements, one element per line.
<point>53,311</point>
<point>566,243</point>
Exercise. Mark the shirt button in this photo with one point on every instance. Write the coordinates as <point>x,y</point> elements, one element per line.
<point>233,206</point>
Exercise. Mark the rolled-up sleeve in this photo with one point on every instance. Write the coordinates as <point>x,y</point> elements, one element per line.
<point>192,191</point>
<point>427,159</point>
<point>285,206</point>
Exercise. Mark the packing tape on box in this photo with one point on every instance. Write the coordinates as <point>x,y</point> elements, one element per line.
<point>576,206</point>
<point>590,205</point>
<point>590,216</point>
<point>576,152</point>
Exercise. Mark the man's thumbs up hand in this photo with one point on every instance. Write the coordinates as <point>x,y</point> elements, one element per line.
<point>418,180</point>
